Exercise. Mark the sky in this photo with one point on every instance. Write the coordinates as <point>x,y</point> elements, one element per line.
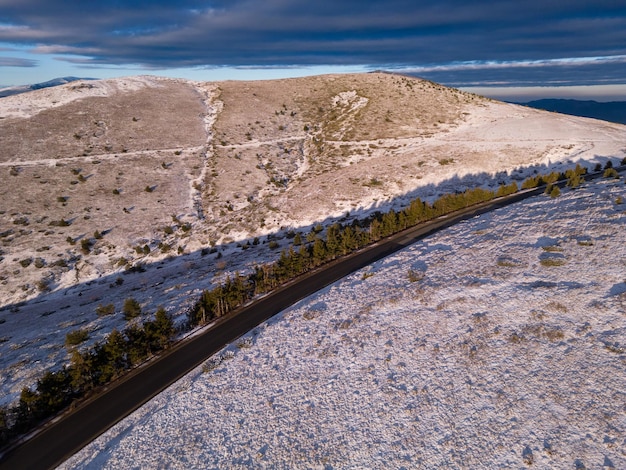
<point>512,48</point>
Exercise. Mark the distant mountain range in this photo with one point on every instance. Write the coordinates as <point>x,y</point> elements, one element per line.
<point>16,90</point>
<point>614,111</point>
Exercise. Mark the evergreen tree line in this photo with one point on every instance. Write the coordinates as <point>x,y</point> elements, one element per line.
<point>339,240</point>
<point>88,369</point>
<point>121,351</point>
<point>343,239</point>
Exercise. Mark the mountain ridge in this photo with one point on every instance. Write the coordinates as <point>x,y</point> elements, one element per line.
<point>612,111</point>
<point>18,89</point>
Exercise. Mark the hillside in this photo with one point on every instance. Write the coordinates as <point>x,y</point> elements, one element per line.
<point>497,343</point>
<point>16,90</point>
<point>156,188</point>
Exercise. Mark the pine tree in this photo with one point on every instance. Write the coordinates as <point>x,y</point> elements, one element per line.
<point>131,309</point>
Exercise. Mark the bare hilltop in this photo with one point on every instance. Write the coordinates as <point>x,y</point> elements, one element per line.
<point>194,179</point>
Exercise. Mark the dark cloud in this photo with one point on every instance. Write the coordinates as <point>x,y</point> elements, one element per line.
<point>186,33</point>
<point>17,62</point>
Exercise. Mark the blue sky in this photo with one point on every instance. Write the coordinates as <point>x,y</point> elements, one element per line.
<point>564,47</point>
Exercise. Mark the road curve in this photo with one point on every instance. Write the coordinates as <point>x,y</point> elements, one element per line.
<point>64,436</point>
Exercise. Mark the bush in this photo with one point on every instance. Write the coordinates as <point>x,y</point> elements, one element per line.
<point>415,276</point>
<point>610,173</point>
<point>85,245</point>
<point>505,190</point>
<point>532,182</point>
<point>76,337</point>
<point>104,310</point>
<point>550,261</point>
<point>553,191</point>
<point>59,223</point>
<point>131,309</point>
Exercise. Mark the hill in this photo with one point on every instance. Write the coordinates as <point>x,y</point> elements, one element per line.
<point>157,188</point>
<point>614,111</point>
<point>16,90</point>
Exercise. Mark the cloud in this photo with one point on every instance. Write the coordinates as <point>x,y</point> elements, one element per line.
<point>507,64</point>
<point>453,36</point>
<point>17,62</point>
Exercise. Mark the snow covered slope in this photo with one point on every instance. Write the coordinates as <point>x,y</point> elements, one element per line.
<point>497,343</point>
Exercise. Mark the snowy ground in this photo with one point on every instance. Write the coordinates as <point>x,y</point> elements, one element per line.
<point>498,343</point>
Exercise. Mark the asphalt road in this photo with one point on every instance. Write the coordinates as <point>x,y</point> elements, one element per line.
<point>63,437</point>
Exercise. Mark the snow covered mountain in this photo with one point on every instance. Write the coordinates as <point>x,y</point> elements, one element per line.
<point>16,90</point>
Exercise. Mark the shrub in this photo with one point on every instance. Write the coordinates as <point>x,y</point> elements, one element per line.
<point>610,173</point>
<point>59,223</point>
<point>97,235</point>
<point>415,276</point>
<point>131,309</point>
<point>76,337</point>
<point>104,310</point>
<point>549,261</point>
<point>85,245</point>
<point>532,182</point>
<point>574,181</point>
<point>43,285</point>
<point>505,190</point>
<point>273,245</point>
<point>553,191</point>
<point>373,182</point>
